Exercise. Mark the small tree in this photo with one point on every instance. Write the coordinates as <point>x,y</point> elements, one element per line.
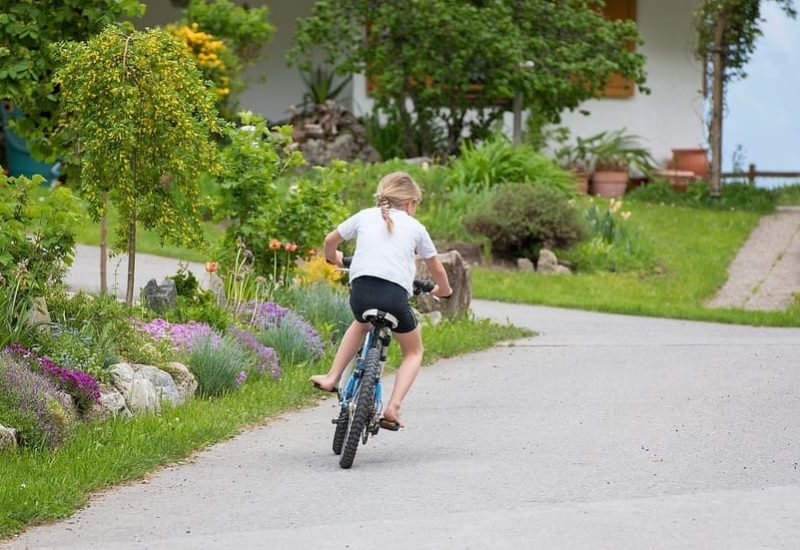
<point>431,63</point>
<point>138,115</point>
<point>27,29</point>
<point>726,34</point>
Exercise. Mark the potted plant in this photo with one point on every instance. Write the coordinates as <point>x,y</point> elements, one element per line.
<point>574,157</point>
<point>614,154</point>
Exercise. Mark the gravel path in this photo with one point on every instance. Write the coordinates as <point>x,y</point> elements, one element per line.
<point>765,275</point>
<point>605,431</point>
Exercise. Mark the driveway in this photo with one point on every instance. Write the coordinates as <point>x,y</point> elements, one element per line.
<point>605,431</point>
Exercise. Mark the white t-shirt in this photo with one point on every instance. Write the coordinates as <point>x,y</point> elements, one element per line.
<point>385,255</point>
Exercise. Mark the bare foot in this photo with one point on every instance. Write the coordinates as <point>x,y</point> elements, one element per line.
<point>323,382</point>
<point>392,414</point>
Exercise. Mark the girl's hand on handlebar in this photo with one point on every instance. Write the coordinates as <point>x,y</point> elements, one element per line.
<point>436,292</point>
<point>338,259</point>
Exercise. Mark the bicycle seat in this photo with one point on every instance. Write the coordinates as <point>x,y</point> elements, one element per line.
<point>380,318</point>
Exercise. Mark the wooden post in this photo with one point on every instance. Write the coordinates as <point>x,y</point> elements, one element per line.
<point>751,174</point>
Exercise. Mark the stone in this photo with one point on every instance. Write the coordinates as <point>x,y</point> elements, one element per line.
<point>460,280</point>
<point>8,438</point>
<point>160,297</point>
<point>139,393</point>
<point>548,264</point>
<point>164,385</point>
<point>328,132</point>
<point>40,315</point>
<point>524,264</point>
<point>470,252</point>
<point>184,379</point>
<point>110,403</point>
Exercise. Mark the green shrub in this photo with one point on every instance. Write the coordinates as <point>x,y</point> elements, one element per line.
<point>734,196</point>
<point>498,161</point>
<point>31,404</point>
<point>220,365</point>
<point>296,341</point>
<point>521,218</point>
<point>386,138</point>
<point>789,195</point>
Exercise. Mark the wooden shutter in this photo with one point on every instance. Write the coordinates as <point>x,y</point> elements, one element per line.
<point>618,86</point>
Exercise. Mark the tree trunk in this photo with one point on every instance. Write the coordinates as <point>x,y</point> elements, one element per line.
<point>717,103</point>
<point>131,258</point>
<point>104,247</point>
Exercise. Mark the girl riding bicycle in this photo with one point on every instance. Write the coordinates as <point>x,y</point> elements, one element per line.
<point>381,276</point>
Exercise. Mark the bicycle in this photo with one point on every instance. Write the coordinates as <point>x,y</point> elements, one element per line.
<point>360,391</point>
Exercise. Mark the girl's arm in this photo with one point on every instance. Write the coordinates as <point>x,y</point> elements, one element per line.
<point>332,242</point>
<point>439,276</point>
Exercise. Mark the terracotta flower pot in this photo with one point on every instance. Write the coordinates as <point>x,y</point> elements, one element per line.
<point>691,159</point>
<point>581,181</point>
<point>609,184</point>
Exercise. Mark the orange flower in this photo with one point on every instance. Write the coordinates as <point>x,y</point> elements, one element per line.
<point>290,247</point>
<point>211,267</point>
<point>274,244</point>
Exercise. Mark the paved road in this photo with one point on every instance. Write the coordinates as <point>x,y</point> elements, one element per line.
<point>85,271</point>
<point>604,432</point>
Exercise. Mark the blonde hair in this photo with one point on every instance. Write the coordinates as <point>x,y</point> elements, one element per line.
<point>394,191</point>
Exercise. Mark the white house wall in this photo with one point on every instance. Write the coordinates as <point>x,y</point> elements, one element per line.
<point>672,115</point>
<point>274,87</point>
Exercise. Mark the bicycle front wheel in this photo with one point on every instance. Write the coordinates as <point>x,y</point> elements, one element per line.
<point>364,408</point>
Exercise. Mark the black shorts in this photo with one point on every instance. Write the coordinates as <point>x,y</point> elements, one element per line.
<point>372,292</point>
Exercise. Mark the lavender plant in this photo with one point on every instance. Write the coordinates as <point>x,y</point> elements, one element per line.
<point>295,340</point>
<point>220,365</point>
<point>31,404</point>
<point>325,307</point>
<point>266,358</point>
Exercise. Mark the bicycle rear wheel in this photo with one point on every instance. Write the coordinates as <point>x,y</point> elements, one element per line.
<point>365,408</point>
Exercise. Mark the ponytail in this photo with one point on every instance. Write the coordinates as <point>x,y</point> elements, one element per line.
<point>394,190</point>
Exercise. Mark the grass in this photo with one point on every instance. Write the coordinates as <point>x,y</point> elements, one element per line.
<point>694,248</point>
<point>37,487</point>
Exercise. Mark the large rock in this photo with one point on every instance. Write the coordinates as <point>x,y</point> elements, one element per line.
<point>330,132</point>
<point>160,297</point>
<point>110,403</point>
<point>460,280</point>
<point>166,389</point>
<point>470,252</point>
<point>548,263</point>
<point>184,380</point>
<point>139,392</point>
<point>8,438</point>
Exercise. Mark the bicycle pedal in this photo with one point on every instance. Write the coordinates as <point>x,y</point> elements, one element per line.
<point>334,420</point>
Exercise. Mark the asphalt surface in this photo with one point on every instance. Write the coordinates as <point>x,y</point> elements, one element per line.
<point>604,431</point>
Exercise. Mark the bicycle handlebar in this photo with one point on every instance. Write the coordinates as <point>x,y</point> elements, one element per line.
<point>420,285</point>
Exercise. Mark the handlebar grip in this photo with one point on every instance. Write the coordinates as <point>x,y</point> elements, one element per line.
<point>423,285</point>
<point>347,260</point>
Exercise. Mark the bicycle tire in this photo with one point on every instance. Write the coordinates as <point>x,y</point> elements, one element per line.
<point>365,405</point>
<point>341,430</point>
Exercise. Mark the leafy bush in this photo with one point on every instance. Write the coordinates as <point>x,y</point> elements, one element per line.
<point>37,241</point>
<point>385,137</point>
<point>734,196</point>
<point>613,245</point>
<point>220,364</point>
<point>287,333</point>
<point>498,161</point>
<point>521,218</point>
<point>32,405</point>
<point>325,307</point>
<point>91,333</point>
<point>194,303</point>
<point>789,195</point>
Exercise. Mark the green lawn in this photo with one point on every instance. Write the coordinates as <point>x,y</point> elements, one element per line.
<point>694,249</point>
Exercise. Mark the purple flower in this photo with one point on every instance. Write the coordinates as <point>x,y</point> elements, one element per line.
<point>241,378</point>
<point>311,336</point>
<point>80,385</point>
<point>40,411</point>
<point>267,360</point>
<point>183,336</point>
<point>267,314</point>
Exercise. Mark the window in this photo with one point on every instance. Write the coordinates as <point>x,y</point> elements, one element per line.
<point>618,86</point>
